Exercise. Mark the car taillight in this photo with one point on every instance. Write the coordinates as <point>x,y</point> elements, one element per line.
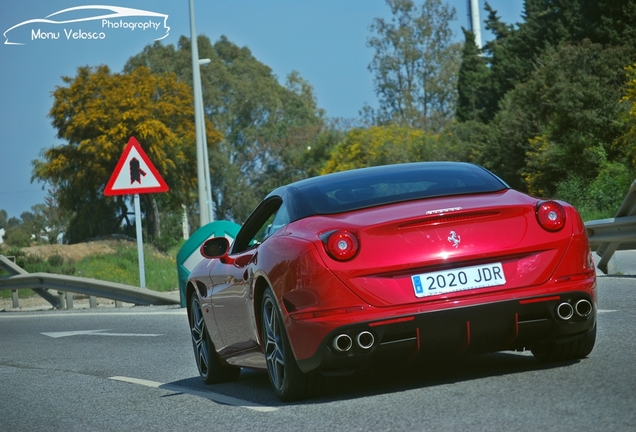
<point>341,245</point>
<point>551,215</point>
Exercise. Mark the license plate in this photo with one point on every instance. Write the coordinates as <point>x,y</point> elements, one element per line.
<point>465,278</point>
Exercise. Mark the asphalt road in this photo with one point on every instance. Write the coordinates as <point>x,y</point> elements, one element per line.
<point>133,369</point>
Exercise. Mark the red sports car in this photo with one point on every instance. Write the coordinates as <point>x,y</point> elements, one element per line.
<point>401,262</point>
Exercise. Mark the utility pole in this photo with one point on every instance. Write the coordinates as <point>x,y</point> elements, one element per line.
<point>475,23</point>
<point>206,214</point>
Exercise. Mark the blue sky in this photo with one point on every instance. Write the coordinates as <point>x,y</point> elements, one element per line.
<point>324,40</point>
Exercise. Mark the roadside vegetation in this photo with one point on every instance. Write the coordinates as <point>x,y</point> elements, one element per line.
<point>121,266</point>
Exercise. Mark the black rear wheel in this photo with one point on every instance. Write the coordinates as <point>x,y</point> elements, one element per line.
<point>573,349</point>
<point>288,381</point>
<point>211,369</point>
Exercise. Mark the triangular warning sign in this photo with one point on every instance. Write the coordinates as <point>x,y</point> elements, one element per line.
<point>134,173</point>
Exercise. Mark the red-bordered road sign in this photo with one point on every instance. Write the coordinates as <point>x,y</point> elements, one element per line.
<point>135,173</point>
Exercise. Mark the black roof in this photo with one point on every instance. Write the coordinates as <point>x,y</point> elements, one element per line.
<point>366,187</point>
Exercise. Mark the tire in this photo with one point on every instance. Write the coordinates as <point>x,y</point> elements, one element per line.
<point>573,349</point>
<point>210,368</point>
<point>288,381</point>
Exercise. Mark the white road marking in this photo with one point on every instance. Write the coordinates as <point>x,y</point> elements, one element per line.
<point>215,397</point>
<point>95,333</point>
<point>606,310</point>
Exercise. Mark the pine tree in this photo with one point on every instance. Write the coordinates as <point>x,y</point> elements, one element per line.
<point>472,84</point>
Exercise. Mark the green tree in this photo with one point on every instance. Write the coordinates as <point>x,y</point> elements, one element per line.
<point>56,218</point>
<point>316,156</point>
<point>34,223</point>
<point>17,237</point>
<point>501,66</point>
<point>382,145</point>
<point>415,65</point>
<point>30,228</point>
<point>462,141</point>
<point>626,143</point>
<point>267,127</point>
<point>472,82</point>
<point>609,22</point>
<point>514,53</point>
<point>96,113</point>
<point>13,222</point>
<point>563,121</point>
<point>3,218</point>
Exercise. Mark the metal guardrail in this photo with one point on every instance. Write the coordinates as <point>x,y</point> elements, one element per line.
<point>14,269</point>
<point>618,233</point>
<point>40,282</point>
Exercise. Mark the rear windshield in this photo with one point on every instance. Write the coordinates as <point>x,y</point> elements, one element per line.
<point>368,188</point>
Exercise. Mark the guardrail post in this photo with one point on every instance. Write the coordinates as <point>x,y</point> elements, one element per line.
<point>69,300</point>
<point>62,300</point>
<point>92,301</point>
<point>15,298</point>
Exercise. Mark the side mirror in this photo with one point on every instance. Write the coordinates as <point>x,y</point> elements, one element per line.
<point>216,247</point>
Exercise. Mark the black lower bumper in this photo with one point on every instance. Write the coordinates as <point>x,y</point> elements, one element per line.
<point>509,325</point>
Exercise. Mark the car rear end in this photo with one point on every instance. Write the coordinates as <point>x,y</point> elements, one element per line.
<point>461,273</point>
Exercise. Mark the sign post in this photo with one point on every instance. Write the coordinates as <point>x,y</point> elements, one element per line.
<point>140,243</point>
<point>135,174</point>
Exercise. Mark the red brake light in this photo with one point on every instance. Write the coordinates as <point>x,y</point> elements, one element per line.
<point>551,215</point>
<point>342,245</point>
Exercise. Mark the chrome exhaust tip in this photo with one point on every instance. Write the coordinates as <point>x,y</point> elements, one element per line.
<point>565,311</point>
<point>583,308</point>
<point>365,339</point>
<point>342,343</point>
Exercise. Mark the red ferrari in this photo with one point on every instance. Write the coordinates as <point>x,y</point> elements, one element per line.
<point>393,263</point>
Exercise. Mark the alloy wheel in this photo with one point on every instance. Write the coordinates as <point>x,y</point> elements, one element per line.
<point>274,346</point>
<point>199,338</point>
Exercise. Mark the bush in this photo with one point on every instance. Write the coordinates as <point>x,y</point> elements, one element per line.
<point>18,237</point>
<point>34,264</point>
<point>171,231</point>
<point>165,241</point>
<point>13,251</point>
<point>601,198</point>
<point>56,260</point>
<point>574,191</point>
<point>609,188</point>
